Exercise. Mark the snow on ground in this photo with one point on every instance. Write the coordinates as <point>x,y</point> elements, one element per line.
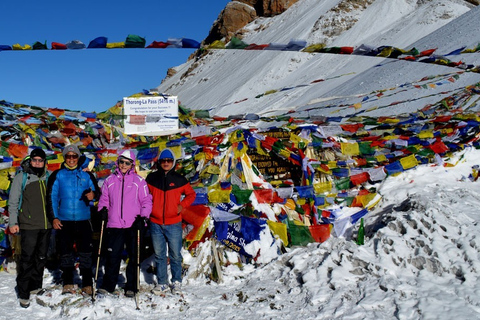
<point>419,261</point>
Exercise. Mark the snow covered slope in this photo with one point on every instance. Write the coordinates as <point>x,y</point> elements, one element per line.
<point>420,261</point>
<point>222,77</point>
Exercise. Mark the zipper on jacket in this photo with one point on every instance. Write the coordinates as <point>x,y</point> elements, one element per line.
<point>164,197</point>
<point>121,202</point>
<point>43,193</point>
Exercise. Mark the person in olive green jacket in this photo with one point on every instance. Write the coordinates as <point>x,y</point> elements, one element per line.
<point>28,217</point>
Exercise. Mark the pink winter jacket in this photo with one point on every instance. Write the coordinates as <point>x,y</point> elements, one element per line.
<point>125,197</point>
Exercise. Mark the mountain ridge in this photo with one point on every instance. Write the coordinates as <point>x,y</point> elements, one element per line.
<point>217,79</point>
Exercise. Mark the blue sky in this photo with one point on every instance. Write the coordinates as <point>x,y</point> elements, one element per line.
<point>94,79</point>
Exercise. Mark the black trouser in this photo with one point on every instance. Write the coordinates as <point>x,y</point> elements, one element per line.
<point>117,240</point>
<point>78,233</point>
<point>33,257</point>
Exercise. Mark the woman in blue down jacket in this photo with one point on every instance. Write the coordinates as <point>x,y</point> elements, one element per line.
<point>71,191</point>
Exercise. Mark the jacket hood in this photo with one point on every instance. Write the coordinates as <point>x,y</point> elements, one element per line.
<point>130,155</point>
<point>167,153</point>
<point>82,163</point>
<point>27,167</point>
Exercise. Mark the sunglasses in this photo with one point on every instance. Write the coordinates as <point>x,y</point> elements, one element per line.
<point>166,160</point>
<point>37,160</point>
<point>71,156</point>
<point>124,162</point>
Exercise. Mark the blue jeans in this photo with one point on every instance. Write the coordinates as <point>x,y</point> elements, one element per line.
<point>161,236</point>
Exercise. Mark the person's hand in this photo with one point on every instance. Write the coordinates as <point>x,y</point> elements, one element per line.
<point>139,223</point>
<point>90,195</point>
<point>103,214</point>
<point>57,224</point>
<point>14,229</point>
<point>179,208</point>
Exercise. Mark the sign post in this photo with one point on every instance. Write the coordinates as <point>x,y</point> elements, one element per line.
<point>150,115</point>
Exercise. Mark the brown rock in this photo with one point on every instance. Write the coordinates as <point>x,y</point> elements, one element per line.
<point>235,16</point>
<point>238,14</point>
<point>275,7</point>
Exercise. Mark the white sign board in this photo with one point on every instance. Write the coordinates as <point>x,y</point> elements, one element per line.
<point>147,115</point>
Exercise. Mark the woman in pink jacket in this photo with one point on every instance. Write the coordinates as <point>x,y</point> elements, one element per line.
<point>126,197</point>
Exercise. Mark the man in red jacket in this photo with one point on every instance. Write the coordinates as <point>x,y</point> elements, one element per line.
<point>167,188</point>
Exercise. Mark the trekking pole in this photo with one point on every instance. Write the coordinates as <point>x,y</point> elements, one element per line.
<point>98,262</point>
<point>138,269</point>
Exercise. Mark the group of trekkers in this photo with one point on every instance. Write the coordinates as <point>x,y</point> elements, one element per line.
<point>127,206</point>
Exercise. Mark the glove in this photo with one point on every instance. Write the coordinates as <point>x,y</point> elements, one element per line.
<point>104,214</point>
<point>139,223</point>
<point>84,198</point>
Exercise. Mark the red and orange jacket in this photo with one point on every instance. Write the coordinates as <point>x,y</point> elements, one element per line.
<point>167,190</point>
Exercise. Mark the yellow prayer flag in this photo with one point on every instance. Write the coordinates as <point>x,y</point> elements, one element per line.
<point>27,129</point>
<point>350,149</point>
<point>409,162</point>
<point>321,169</point>
<point>115,45</point>
<point>322,187</point>
<point>213,169</point>
<point>236,137</point>
<point>260,149</point>
<point>284,153</point>
<point>391,120</point>
<point>426,134</point>
<point>238,153</point>
<point>390,137</point>
<point>446,131</point>
<point>301,201</point>
<point>296,140</point>
<point>279,230</point>
<point>332,164</point>
<point>386,52</point>
<point>381,158</point>
<point>219,196</point>
<point>107,128</point>
<point>217,44</point>
<point>160,144</point>
<point>199,156</point>
<point>17,46</point>
<point>177,151</point>
<point>4,181</point>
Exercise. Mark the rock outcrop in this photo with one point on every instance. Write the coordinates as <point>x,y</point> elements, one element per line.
<point>238,14</point>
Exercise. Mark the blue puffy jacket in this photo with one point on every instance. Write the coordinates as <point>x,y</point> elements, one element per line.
<point>66,189</point>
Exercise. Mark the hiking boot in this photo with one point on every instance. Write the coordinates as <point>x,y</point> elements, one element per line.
<point>161,289</point>
<point>88,290</point>
<point>177,288</point>
<point>103,291</point>
<point>69,289</point>
<point>38,292</point>
<point>24,303</point>
<point>129,294</point>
